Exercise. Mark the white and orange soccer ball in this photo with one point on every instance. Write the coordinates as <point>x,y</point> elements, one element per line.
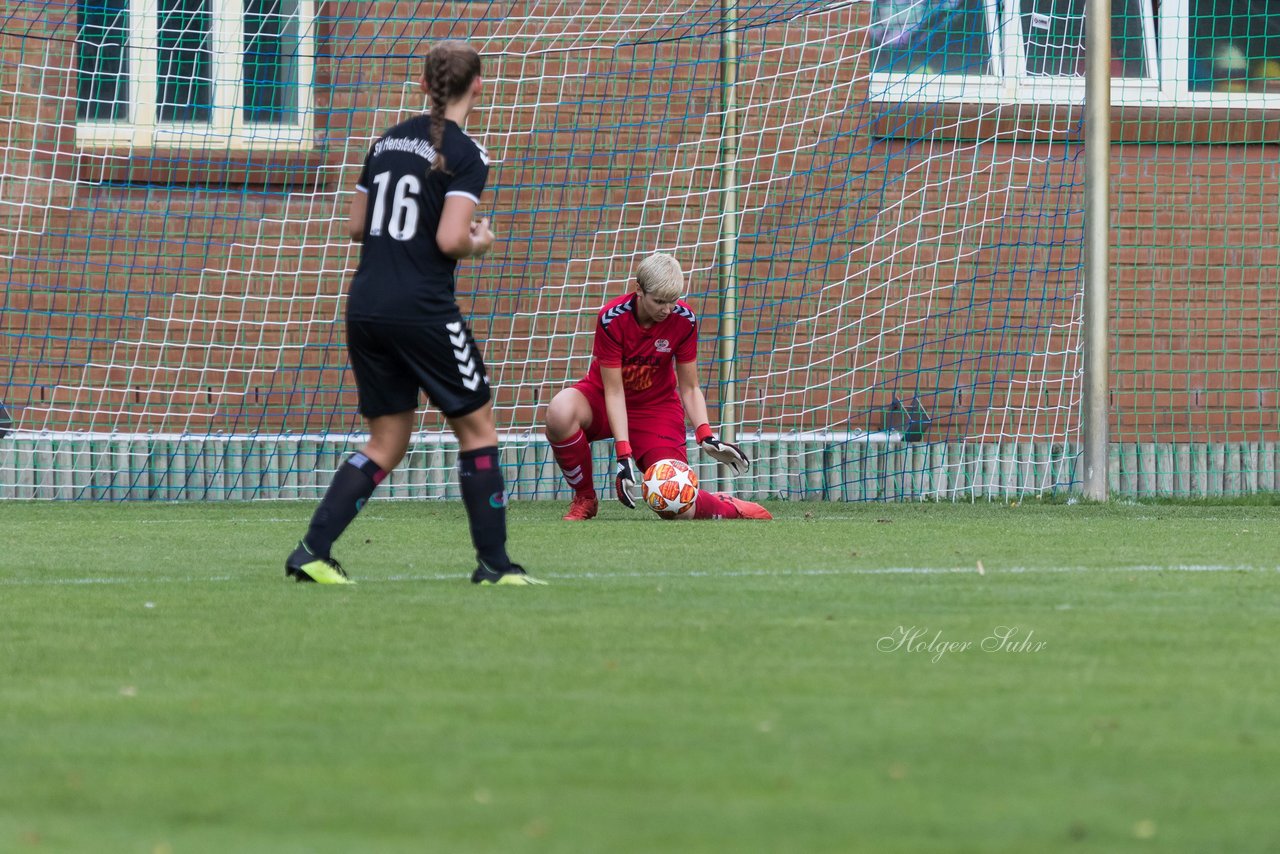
<point>670,488</point>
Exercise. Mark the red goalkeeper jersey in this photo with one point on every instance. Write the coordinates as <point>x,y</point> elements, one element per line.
<point>645,355</point>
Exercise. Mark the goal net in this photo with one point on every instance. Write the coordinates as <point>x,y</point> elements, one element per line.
<point>882,246</point>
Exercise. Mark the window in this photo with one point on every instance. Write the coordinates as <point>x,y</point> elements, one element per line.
<point>190,73</point>
<point>1233,46</point>
<point>1172,52</point>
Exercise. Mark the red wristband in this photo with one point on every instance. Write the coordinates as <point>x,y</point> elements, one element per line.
<point>623,449</point>
<point>702,433</point>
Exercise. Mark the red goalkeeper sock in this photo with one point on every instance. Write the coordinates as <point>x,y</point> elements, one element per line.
<point>573,455</point>
<point>712,505</point>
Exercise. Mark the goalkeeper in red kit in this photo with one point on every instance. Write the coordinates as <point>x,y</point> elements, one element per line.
<point>642,383</point>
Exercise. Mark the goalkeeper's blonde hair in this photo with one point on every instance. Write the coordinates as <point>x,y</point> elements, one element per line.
<point>660,276</point>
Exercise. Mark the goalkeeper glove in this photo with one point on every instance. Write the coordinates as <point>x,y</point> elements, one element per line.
<point>626,479</point>
<point>723,452</point>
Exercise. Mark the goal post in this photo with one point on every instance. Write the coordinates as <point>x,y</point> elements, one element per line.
<point>1097,128</point>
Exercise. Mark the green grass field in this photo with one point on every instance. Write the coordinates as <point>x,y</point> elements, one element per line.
<point>799,686</point>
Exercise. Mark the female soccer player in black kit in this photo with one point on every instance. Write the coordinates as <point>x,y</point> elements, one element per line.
<point>413,212</point>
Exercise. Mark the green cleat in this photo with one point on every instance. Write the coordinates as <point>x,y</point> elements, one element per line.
<point>515,577</point>
<point>302,565</point>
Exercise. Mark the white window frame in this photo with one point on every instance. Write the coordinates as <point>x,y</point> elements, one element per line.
<point>1166,84</point>
<point>226,126</point>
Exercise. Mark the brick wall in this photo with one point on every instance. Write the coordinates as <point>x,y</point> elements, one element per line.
<point>206,295</point>
<point>1196,290</point>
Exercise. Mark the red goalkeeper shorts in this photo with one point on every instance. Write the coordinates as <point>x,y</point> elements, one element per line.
<point>657,432</point>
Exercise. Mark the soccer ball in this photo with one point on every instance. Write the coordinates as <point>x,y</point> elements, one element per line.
<point>670,489</point>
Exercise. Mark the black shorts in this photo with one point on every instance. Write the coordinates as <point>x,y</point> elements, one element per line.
<point>392,361</point>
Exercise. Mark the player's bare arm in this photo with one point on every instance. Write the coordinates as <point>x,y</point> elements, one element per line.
<point>695,409</point>
<point>626,476</point>
<point>356,215</point>
<point>615,403</point>
<point>691,396</point>
<point>459,235</point>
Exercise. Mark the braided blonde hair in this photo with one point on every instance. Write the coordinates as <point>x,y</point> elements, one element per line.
<point>449,70</point>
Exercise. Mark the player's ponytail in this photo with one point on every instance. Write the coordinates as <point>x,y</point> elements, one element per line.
<point>449,70</point>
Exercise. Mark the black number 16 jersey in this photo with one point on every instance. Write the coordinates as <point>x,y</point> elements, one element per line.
<point>403,276</point>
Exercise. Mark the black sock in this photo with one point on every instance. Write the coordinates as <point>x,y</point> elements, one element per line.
<point>352,484</point>
<point>480,477</point>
